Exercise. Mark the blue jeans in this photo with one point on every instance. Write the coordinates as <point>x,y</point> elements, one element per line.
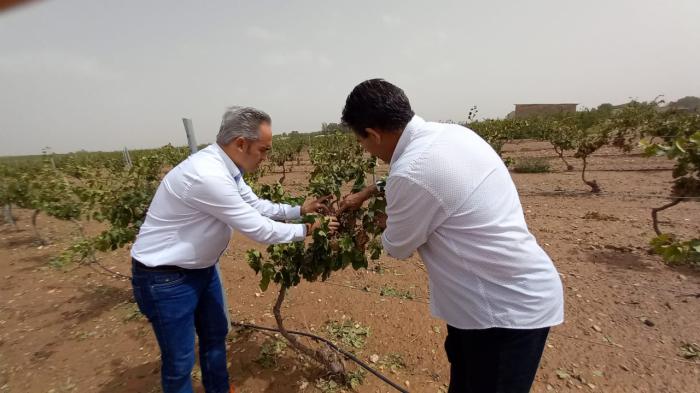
<point>178,303</point>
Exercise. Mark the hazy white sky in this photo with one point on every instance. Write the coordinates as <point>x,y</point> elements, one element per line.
<point>101,75</point>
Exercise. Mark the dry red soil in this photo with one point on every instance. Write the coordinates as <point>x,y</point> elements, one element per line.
<point>627,313</point>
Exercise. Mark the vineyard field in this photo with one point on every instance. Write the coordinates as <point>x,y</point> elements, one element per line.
<point>631,318</point>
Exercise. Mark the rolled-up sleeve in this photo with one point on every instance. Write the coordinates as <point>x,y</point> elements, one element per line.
<point>219,196</point>
<point>413,214</point>
<point>275,211</point>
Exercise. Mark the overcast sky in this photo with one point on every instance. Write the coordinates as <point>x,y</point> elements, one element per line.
<point>101,75</point>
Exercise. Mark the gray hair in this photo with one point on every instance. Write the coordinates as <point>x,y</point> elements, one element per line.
<point>241,122</point>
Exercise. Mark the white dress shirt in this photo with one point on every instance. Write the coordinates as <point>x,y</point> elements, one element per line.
<point>450,196</point>
<point>196,208</point>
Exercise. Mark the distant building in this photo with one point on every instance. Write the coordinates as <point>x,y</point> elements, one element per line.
<point>523,111</point>
<point>686,104</point>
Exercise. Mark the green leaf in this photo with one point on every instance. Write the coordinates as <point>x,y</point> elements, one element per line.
<point>679,145</point>
<point>265,280</point>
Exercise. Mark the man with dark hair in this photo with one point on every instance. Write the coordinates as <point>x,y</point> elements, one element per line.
<point>450,196</point>
<point>188,226</point>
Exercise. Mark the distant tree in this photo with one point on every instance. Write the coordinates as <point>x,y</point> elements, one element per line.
<point>332,127</point>
<point>607,107</point>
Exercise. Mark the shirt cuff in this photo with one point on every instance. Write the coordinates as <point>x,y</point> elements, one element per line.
<point>300,233</point>
<point>292,212</point>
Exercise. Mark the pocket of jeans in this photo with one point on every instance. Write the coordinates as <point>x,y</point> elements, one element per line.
<point>167,279</point>
<point>142,305</point>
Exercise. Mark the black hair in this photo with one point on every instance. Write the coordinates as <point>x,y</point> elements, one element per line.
<point>376,103</point>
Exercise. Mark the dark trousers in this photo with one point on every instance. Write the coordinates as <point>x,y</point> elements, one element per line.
<point>178,303</point>
<point>493,360</point>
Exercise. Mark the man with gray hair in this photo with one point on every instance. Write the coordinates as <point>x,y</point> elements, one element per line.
<point>188,226</point>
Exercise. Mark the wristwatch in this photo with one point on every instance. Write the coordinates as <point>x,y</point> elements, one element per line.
<point>381,185</point>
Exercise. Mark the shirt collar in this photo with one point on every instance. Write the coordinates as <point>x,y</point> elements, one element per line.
<point>230,165</point>
<point>406,137</point>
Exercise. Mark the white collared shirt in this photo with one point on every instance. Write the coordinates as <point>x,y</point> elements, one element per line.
<point>450,196</point>
<point>196,208</point>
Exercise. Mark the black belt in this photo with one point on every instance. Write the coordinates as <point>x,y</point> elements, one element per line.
<point>162,268</point>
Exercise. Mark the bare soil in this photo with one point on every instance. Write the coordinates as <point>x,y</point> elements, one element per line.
<point>627,313</point>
